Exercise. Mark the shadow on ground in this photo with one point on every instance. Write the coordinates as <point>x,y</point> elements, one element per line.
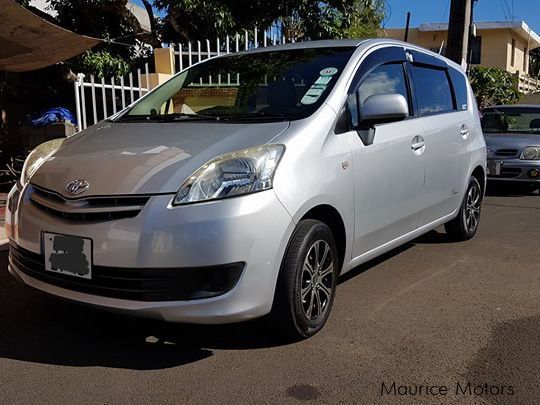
<point>511,357</point>
<point>39,328</point>
<point>42,329</point>
<point>495,189</point>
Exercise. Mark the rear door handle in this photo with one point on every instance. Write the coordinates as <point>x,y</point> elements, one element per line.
<point>464,131</point>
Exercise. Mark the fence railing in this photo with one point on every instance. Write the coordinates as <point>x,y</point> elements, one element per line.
<point>99,98</point>
<point>107,96</point>
<point>527,84</point>
<point>197,51</point>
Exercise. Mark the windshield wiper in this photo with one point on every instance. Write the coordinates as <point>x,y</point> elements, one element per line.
<point>257,115</point>
<point>176,116</point>
<point>168,117</point>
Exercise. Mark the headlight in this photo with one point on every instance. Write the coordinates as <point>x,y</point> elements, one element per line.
<point>232,174</point>
<point>530,153</point>
<point>38,156</point>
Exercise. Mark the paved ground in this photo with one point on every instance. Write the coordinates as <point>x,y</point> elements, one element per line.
<point>433,312</point>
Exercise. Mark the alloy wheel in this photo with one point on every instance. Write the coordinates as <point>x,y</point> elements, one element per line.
<point>317,281</point>
<point>472,207</point>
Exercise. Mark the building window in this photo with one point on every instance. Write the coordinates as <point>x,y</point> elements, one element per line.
<point>525,54</point>
<point>513,55</point>
<point>476,50</point>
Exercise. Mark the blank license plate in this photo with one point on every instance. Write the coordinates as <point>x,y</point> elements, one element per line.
<point>494,168</point>
<point>68,255</point>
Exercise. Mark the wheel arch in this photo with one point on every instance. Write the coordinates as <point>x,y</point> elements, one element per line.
<point>480,175</point>
<point>330,216</point>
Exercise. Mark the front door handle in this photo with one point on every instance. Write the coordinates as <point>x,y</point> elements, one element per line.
<point>418,145</point>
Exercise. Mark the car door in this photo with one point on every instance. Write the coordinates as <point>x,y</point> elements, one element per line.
<point>446,131</point>
<point>389,173</point>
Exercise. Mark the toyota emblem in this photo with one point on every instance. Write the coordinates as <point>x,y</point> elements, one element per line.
<point>77,186</point>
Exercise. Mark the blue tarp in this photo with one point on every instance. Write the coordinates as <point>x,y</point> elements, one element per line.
<point>50,116</point>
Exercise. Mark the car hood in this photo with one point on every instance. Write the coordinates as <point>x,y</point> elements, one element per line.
<point>145,158</point>
<point>511,140</point>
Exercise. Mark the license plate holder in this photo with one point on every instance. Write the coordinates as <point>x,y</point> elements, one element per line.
<point>66,254</point>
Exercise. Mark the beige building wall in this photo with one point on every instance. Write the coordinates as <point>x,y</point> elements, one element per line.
<point>429,40</point>
<point>496,46</point>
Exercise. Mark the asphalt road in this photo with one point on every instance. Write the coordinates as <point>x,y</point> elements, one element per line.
<point>431,313</point>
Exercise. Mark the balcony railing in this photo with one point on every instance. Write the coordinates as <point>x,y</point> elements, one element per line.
<point>527,84</point>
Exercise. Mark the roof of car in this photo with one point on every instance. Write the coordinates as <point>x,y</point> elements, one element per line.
<point>325,43</point>
<point>333,43</point>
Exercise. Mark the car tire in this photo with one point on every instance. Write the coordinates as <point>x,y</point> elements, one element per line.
<point>464,226</point>
<point>307,281</point>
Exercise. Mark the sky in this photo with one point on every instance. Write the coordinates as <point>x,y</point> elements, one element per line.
<point>437,11</point>
<point>485,10</point>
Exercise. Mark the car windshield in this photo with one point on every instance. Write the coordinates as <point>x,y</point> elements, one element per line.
<point>283,85</point>
<point>511,119</point>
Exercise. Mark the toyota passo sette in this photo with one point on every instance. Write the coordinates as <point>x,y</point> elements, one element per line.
<point>246,184</point>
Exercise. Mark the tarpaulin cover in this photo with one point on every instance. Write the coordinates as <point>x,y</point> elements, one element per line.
<point>28,42</point>
<point>50,116</point>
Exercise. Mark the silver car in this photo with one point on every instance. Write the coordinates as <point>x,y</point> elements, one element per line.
<point>248,183</point>
<point>512,136</point>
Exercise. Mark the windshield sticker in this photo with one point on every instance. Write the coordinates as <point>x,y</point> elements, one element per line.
<point>323,80</point>
<point>313,94</point>
<point>329,71</point>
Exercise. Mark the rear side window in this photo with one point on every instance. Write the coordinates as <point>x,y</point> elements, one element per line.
<point>460,88</point>
<point>432,90</point>
<point>385,79</point>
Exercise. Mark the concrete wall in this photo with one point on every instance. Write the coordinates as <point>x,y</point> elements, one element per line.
<point>496,45</point>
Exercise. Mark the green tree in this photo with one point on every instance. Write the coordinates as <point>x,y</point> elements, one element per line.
<point>366,19</point>
<point>534,63</point>
<point>494,86</point>
<point>295,19</point>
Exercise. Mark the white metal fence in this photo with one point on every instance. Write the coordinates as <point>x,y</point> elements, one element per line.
<point>106,96</point>
<point>194,52</point>
<point>99,98</point>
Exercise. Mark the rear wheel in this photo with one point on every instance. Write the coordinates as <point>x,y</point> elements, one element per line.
<point>307,281</point>
<point>465,225</point>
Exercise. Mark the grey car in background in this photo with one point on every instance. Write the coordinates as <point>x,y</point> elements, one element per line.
<point>512,134</point>
<point>246,184</point>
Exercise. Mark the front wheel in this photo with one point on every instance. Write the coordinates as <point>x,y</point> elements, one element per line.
<point>307,281</point>
<point>465,225</point>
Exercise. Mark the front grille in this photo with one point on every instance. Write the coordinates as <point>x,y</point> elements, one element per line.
<point>87,209</point>
<point>139,284</point>
<point>508,172</point>
<point>506,152</point>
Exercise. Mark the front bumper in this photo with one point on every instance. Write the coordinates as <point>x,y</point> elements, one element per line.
<point>253,230</point>
<point>514,170</point>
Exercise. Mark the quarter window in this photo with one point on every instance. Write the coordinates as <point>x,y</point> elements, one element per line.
<point>432,90</point>
<point>460,88</point>
<point>385,79</point>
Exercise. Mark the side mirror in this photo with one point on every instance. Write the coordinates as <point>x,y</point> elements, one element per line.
<point>377,109</point>
<point>382,108</point>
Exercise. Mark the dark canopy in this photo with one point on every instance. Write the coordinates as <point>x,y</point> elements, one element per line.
<point>28,42</point>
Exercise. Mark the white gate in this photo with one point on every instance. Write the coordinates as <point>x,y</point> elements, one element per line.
<point>108,96</point>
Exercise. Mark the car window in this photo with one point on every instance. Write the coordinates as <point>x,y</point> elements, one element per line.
<point>460,88</point>
<point>432,90</point>
<point>385,79</point>
<point>290,84</point>
<point>511,119</point>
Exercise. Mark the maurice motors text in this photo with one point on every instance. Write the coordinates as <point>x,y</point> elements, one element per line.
<point>459,388</point>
